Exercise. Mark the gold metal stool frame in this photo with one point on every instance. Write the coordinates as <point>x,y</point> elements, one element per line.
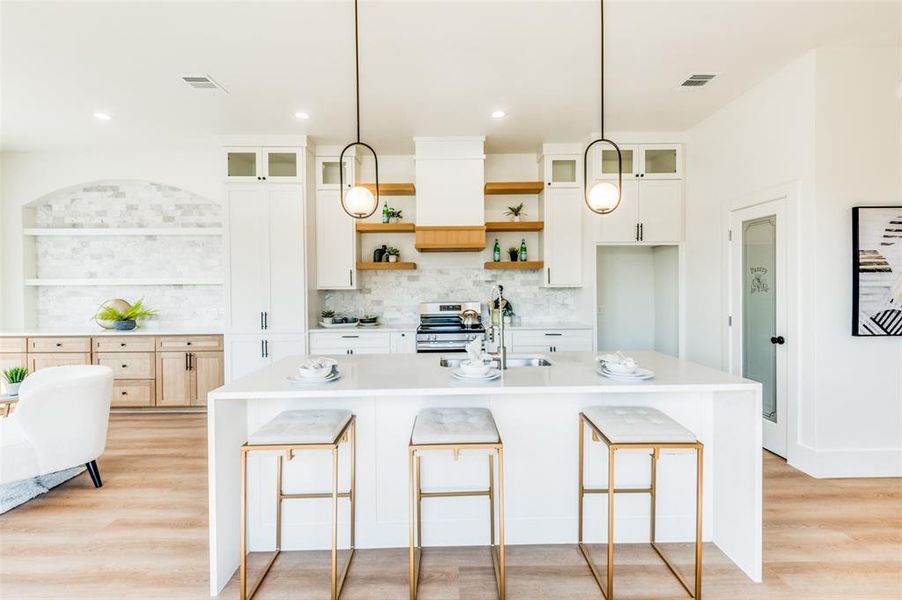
<point>289,450</point>
<point>416,505</point>
<point>597,435</point>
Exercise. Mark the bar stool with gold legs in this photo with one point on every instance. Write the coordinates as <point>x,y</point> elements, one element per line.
<point>455,429</point>
<point>621,428</point>
<point>289,432</point>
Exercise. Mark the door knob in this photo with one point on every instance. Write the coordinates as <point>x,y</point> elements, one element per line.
<point>778,340</point>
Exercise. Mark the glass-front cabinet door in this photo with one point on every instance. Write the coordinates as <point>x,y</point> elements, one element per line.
<point>563,171</point>
<point>606,162</point>
<point>283,164</point>
<point>328,176</point>
<point>243,164</point>
<point>661,161</point>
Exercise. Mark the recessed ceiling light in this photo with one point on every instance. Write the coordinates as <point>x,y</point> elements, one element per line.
<point>301,115</point>
<point>102,116</point>
<point>498,114</point>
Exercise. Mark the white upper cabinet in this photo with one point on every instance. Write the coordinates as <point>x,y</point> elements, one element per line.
<point>605,161</point>
<point>661,211</point>
<point>563,171</point>
<point>646,161</point>
<point>328,176</point>
<point>336,244</point>
<point>562,237</point>
<point>266,258</point>
<point>258,164</point>
<point>622,225</point>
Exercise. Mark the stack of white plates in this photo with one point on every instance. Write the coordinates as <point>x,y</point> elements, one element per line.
<point>622,368</point>
<point>316,370</point>
<point>639,374</point>
<point>489,375</point>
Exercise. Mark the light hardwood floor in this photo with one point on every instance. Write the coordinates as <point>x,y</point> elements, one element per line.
<point>144,535</point>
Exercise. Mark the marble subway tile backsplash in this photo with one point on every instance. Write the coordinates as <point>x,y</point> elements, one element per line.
<point>395,295</point>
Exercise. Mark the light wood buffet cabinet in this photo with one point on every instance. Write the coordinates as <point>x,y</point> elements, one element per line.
<point>150,371</point>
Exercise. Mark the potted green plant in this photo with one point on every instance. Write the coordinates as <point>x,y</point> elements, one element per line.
<point>14,377</point>
<point>393,254</point>
<point>327,316</point>
<point>395,215</point>
<point>124,320</point>
<point>514,253</point>
<point>515,212</point>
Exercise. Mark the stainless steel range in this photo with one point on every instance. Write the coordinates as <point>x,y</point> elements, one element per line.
<point>448,326</point>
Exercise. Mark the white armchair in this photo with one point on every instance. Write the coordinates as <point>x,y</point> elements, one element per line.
<point>60,422</point>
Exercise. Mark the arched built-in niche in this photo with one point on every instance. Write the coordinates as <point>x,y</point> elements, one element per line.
<point>122,239</point>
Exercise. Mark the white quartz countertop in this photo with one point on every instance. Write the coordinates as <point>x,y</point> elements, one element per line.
<point>544,326</point>
<point>380,327</point>
<point>97,332</point>
<point>396,375</point>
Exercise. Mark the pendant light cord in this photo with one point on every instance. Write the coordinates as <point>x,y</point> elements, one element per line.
<point>357,68</point>
<point>601,45</point>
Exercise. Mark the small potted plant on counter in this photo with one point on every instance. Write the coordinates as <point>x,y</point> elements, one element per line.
<point>327,316</point>
<point>514,253</point>
<point>127,319</point>
<point>393,254</point>
<point>14,377</point>
<point>515,212</point>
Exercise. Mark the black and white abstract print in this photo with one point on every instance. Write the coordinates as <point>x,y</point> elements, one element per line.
<point>877,271</point>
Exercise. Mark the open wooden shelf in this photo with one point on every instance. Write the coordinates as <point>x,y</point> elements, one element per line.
<point>499,188</point>
<point>511,226</point>
<point>385,266</point>
<point>385,227</point>
<point>527,265</point>
<point>391,189</point>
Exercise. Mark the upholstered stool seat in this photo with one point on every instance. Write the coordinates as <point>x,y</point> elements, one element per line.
<point>289,432</point>
<point>455,429</point>
<point>302,427</point>
<point>643,428</point>
<point>637,424</point>
<point>454,426</point>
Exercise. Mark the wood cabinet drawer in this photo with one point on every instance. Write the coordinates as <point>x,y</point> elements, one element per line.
<point>124,344</point>
<point>190,342</point>
<point>13,344</point>
<point>126,365</point>
<point>59,344</point>
<point>132,393</point>
<point>57,359</point>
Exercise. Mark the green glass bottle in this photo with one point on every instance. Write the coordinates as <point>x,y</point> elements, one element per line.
<point>496,251</point>
<point>385,212</point>
<point>523,250</point>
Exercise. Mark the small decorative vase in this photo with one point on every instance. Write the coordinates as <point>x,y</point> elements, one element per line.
<point>13,389</point>
<point>125,325</point>
<point>392,258</point>
<point>516,219</point>
<point>514,256</point>
<point>327,320</point>
<point>507,319</point>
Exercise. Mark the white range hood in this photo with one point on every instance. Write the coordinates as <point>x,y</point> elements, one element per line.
<point>450,179</point>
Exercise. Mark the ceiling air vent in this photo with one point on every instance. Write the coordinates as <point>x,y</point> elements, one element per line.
<point>203,82</point>
<point>697,80</point>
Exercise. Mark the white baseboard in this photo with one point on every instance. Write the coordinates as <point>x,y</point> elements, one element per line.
<point>824,464</point>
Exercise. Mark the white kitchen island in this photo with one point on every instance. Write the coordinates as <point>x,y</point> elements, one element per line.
<point>536,410</point>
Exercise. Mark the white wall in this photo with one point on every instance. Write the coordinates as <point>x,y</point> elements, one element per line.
<point>27,176</point>
<point>667,299</point>
<point>626,298</point>
<point>828,123</point>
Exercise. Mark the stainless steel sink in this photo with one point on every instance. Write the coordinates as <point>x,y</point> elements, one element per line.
<point>512,361</point>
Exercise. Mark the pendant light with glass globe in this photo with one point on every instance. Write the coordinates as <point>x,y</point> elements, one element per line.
<point>603,197</point>
<point>358,202</point>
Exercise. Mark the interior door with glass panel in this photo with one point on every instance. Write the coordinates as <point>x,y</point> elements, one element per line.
<point>758,310</point>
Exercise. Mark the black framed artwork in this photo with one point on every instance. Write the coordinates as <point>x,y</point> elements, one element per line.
<point>877,270</point>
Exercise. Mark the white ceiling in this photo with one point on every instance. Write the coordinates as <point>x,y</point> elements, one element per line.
<point>428,67</point>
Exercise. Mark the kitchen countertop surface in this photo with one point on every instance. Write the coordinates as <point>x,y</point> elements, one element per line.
<point>422,375</point>
<point>413,327</point>
<point>98,332</point>
<point>382,327</point>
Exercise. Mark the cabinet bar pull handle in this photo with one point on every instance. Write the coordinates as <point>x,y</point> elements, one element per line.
<point>350,336</point>
<point>265,320</point>
<point>186,362</point>
<point>554,334</point>
<point>351,277</point>
<point>637,232</point>
<point>549,275</point>
<point>261,320</point>
<point>262,350</point>
<point>266,347</point>
<point>641,232</point>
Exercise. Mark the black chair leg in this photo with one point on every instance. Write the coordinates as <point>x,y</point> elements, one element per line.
<point>95,473</point>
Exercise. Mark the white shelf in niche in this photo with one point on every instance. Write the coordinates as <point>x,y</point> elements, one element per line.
<point>137,231</point>
<point>131,281</point>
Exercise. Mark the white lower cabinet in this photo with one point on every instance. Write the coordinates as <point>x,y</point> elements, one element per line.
<point>551,340</point>
<point>245,354</point>
<point>350,342</point>
<point>404,342</point>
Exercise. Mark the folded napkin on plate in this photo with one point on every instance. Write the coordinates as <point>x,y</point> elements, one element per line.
<point>317,365</point>
<point>474,350</point>
<point>617,358</point>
